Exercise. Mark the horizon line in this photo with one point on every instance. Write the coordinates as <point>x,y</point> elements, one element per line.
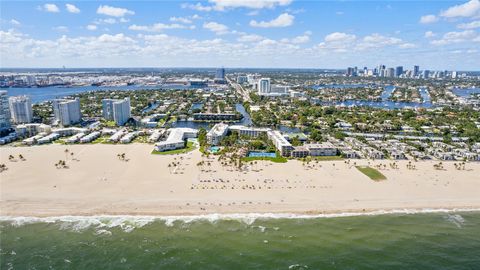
<point>211,67</point>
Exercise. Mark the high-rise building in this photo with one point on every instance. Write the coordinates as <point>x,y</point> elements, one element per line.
<point>107,109</point>
<point>390,73</point>
<point>121,111</point>
<point>426,74</point>
<point>416,71</point>
<point>20,109</point>
<point>381,72</point>
<point>350,72</point>
<point>263,86</point>
<point>4,112</point>
<point>398,71</point>
<point>242,79</point>
<point>117,110</point>
<point>219,75</point>
<point>67,112</point>
<point>454,75</point>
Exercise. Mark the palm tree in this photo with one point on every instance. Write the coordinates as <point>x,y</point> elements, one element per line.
<point>3,167</point>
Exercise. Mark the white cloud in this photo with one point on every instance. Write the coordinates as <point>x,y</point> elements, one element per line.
<point>157,27</point>
<point>428,19</point>
<point>470,25</point>
<point>114,11</point>
<point>197,7</point>
<point>72,8</point>
<point>301,39</point>
<point>337,42</point>
<point>407,46</point>
<point>222,5</point>
<point>343,42</point>
<point>15,22</point>
<point>60,28</point>
<point>51,8</point>
<point>429,34</point>
<point>455,37</point>
<point>339,13</point>
<point>250,38</point>
<point>91,27</point>
<point>377,41</point>
<point>105,21</point>
<point>468,9</point>
<point>283,20</point>
<point>253,13</point>
<point>111,21</point>
<point>253,4</point>
<point>267,42</point>
<point>181,20</point>
<point>137,50</point>
<point>339,37</point>
<point>218,28</point>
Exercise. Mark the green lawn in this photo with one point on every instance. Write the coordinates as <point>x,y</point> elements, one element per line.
<point>111,124</point>
<point>140,139</point>
<point>372,173</point>
<point>102,139</point>
<point>59,141</point>
<point>190,147</point>
<point>277,159</point>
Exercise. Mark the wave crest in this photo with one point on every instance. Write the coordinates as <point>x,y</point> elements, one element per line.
<point>129,223</point>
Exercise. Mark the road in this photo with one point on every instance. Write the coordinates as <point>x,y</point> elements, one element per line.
<point>240,90</point>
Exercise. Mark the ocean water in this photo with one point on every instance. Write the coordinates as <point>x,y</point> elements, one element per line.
<point>442,240</point>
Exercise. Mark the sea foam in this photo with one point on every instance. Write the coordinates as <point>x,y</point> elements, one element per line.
<point>128,223</point>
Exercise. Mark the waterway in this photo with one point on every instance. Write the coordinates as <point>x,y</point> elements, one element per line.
<point>245,121</point>
<point>385,103</point>
<point>466,92</point>
<point>48,93</point>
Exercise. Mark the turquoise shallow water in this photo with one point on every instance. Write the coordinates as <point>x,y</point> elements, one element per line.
<point>393,241</point>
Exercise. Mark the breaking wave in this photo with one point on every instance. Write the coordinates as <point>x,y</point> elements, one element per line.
<point>129,223</point>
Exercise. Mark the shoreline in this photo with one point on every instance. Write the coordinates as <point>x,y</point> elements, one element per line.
<point>259,214</point>
<point>247,218</point>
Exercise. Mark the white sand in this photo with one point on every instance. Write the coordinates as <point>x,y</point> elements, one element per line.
<point>100,183</point>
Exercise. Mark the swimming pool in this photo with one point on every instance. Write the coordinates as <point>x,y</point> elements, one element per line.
<point>262,154</point>
<point>214,149</point>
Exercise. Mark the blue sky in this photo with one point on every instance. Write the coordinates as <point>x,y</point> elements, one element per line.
<point>240,33</point>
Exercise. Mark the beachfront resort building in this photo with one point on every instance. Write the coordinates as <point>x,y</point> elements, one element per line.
<point>216,134</point>
<point>28,130</point>
<point>117,110</point>
<point>4,112</point>
<point>20,109</point>
<point>248,131</point>
<point>176,139</point>
<point>321,149</point>
<point>282,145</point>
<point>67,112</point>
<point>299,152</point>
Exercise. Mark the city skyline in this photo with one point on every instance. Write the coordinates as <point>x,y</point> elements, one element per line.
<point>260,34</point>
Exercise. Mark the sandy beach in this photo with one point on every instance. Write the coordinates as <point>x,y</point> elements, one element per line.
<point>98,182</point>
